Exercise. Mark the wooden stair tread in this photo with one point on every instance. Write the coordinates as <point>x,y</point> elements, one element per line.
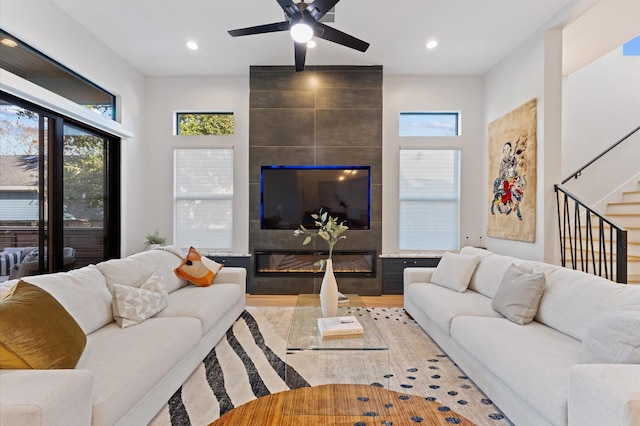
<point>624,203</point>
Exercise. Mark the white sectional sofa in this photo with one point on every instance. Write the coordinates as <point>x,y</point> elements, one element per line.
<point>124,375</point>
<point>576,363</point>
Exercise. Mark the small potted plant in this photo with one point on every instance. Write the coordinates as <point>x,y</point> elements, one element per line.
<point>154,240</point>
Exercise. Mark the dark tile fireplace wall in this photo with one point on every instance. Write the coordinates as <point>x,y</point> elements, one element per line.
<point>325,115</point>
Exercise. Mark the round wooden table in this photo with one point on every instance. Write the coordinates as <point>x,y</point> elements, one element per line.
<point>353,405</point>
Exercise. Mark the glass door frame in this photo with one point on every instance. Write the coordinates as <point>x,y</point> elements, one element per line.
<point>51,186</point>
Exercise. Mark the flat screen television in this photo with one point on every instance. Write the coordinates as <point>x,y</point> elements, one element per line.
<point>289,195</point>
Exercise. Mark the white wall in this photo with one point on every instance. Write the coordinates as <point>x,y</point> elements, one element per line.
<point>424,93</point>
<point>164,97</point>
<point>534,70</point>
<point>47,28</point>
<point>515,80</point>
<point>601,104</point>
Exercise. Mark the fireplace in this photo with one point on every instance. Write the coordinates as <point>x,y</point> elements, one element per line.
<point>300,262</point>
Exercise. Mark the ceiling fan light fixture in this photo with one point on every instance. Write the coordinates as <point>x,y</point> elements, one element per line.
<point>301,32</point>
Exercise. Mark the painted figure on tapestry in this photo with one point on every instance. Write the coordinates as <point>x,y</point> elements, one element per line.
<point>511,177</point>
<point>511,181</point>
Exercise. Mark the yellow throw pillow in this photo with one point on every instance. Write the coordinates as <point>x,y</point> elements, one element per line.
<point>37,332</point>
<point>198,269</point>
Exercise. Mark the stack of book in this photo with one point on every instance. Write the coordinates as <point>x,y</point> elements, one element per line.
<point>340,327</point>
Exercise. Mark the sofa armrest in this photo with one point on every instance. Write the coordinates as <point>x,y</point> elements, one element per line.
<point>231,275</point>
<point>45,397</point>
<point>602,394</point>
<point>414,275</point>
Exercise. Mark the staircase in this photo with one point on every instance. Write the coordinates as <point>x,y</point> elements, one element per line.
<point>627,214</point>
<point>591,240</point>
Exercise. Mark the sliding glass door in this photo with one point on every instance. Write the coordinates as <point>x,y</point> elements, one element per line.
<point>59,191</point>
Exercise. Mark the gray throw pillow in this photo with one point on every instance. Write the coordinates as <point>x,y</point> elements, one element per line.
<point>519,295</point>
<point>613,338</point>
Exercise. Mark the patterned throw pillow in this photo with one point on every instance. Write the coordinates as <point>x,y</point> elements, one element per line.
<point>8,261</point>
<point>132,305</point>
<point>198,269</point>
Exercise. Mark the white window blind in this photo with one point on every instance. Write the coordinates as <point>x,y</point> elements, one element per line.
<point>429,199</point>
<point>203,198</point>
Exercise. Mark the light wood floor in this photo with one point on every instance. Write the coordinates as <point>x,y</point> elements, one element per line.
<point>386,301</point>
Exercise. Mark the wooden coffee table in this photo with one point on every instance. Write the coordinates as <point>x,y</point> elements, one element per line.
<point>335,405</point>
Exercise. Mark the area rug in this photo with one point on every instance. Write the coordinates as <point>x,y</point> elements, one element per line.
<point>251,361</point>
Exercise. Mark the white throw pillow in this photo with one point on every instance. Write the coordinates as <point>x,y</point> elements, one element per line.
<point>613,338</point>
<point>454,271</point>
<point>132,305</point>
<point>519,294</point>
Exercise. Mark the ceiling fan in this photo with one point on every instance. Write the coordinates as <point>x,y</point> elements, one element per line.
<point>303,23</point>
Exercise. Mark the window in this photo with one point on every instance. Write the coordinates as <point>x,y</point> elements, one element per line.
<point>429,199</point>
<point>204,123</point>
<point>28,63</point>
<point>203,198</point>
<point>429,124</point>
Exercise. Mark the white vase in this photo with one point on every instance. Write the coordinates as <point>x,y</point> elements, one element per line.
<point>329,292</point>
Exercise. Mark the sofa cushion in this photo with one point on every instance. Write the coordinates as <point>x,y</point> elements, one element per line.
<point>442,305</point>
<point>45,397</point>
<point>198,269</point>
<point>137,267</point>
<point>132,305</point>
<point>6,286</point>
<point>454,271</point>
<point>489,272</point>
<point>613,338</point>
<point>37,332</point>
<point>519,295</point>
<point>532,360</point>
<point>573,298</point>
<point>128,362</point>
<point>208,304</point>
<point>83,293</point>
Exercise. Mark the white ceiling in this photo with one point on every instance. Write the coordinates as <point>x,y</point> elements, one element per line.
<point>473,35</point>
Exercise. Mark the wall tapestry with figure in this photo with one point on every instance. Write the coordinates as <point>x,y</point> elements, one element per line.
<point>512,175</point>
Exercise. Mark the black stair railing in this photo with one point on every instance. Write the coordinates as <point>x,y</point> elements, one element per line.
<point>588,240</point>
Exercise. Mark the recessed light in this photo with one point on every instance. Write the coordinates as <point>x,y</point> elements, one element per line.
<point>8,42</point>
<point>192,45</point>
<point>311,44</point>
<point>431,44</point>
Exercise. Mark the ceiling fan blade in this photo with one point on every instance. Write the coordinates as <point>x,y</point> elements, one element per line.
<point>328,33</point>
<point>261,29</point>
<point>300,50</point>
<point>319,8</point>
<point>289,7</point>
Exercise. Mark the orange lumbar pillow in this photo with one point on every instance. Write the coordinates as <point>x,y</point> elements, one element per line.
<point>198,269</point>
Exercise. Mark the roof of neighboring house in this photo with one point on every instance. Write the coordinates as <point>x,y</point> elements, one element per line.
<point>18,171</point>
